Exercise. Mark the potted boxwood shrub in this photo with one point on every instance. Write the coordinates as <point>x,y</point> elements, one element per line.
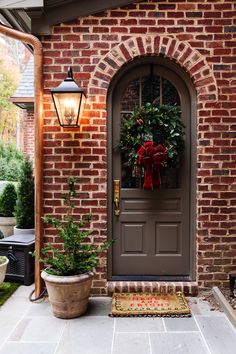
<point>3,267</point>
<point>25,200</point>
<point>7,207</point>
<point>70,271</point>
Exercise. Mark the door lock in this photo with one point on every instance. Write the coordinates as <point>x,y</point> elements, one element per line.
<point>116,187</point>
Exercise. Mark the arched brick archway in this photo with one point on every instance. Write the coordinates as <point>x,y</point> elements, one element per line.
<point>192,61</point>
<point>189,59</point>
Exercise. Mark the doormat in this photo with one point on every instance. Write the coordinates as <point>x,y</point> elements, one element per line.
<point>149,304</point>
<point>6,290</point>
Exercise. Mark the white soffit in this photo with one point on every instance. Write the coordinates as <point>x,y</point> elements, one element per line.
<point>19,4</point>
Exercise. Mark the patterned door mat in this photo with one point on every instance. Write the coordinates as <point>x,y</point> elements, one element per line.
<point>150,304</point>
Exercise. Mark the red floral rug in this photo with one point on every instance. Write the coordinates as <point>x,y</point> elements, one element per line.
<point>150,304</point>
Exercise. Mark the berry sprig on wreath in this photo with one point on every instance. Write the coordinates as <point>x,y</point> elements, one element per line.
<point>152,137</point>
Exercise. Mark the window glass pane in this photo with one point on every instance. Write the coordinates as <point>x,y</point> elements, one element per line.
<point>170,94</point>
<point>130,98</point>
<point>139,92</point>
<point>130,175</point>
<point>170,177</point>
<point>150,89</point>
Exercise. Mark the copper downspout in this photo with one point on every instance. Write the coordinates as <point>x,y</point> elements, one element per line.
<point>38,112</point>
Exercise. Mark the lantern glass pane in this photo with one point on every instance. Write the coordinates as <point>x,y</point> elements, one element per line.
<point>67,106</point>
<point>83,100</point>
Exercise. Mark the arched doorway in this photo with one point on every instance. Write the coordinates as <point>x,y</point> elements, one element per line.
<point>154,232</point>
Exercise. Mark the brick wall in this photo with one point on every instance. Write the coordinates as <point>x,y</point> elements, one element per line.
<point>28,134</point>
<point>201,37</point>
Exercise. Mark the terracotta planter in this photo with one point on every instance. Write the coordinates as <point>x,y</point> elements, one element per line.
<point>3,269</point>
<point>7,225</point>
<point>68,295</point>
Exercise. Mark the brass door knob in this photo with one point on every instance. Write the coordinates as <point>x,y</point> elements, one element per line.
<point>116,199</point>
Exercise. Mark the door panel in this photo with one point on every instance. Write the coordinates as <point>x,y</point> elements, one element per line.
<point>168,236</point>
<point>152,232</point>
<point>133,238</point>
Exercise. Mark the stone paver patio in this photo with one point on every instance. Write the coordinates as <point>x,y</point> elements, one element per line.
<point>30,328</point>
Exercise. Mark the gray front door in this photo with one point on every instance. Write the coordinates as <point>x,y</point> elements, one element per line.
<point>152,232</point>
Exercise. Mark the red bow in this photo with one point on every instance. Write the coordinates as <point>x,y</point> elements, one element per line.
<point>152,158</point>
<point>159,160</point>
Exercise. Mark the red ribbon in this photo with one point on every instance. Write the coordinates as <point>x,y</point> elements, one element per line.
<point>152,158</point>
<point>159,160</point>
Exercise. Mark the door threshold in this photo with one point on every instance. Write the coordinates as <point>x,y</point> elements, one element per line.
<point>189,288</point>
<point>150,278</point>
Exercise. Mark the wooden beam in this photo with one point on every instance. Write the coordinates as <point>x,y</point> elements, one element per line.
<point>71,11</point>
<point>21,99</point>
<point>20,4</point>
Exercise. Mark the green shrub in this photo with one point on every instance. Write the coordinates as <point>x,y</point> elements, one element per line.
<point>8,200</point>
<point>10,162</point>
<point>10,151</point>
<point>79,255</point>
<point>1,234</point>
<point>25,197</point>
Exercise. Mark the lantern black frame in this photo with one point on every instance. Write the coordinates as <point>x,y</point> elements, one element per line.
<point>68,85</point>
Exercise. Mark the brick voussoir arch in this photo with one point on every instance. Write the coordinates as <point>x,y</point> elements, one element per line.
<point>192,61</point>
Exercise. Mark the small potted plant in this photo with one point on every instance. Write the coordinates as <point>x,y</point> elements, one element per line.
<point>25,200</point>
<point>70,271</point>
<point>7,207</point>
<point>3,267</point>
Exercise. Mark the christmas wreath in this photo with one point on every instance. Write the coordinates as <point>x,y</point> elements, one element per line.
<point>152,137</point>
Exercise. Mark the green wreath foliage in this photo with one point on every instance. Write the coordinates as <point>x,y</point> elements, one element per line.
<point>161,124</point>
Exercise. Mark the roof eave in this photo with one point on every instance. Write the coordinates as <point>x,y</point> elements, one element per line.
<point>42,19</point>
<point>23,102</point>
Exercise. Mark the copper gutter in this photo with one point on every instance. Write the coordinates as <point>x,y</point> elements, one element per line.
<point>38,112</point>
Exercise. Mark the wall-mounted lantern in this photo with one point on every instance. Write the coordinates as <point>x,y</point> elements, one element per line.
<point>69,100</point>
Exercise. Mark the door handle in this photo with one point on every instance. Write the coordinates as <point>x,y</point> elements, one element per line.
<point>116,191</point>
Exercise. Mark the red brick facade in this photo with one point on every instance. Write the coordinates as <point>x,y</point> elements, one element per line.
<point>201,38</point>
<point>28,134</point>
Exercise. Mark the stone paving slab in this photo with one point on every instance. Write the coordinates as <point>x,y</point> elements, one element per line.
<point>15,306</point>
<point>87,335</point>
<point>219,334</point>
<point>139,325</point>
<point>200,307</point>
<point>175,343</point>
<point>38,329</point>
<point>26,325</point>
<point>40,309</point>
<point>131,343</point>
<point>28,348</point>
<point>180,324</point>
<point>99,306</point>
<point>7,323</point>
